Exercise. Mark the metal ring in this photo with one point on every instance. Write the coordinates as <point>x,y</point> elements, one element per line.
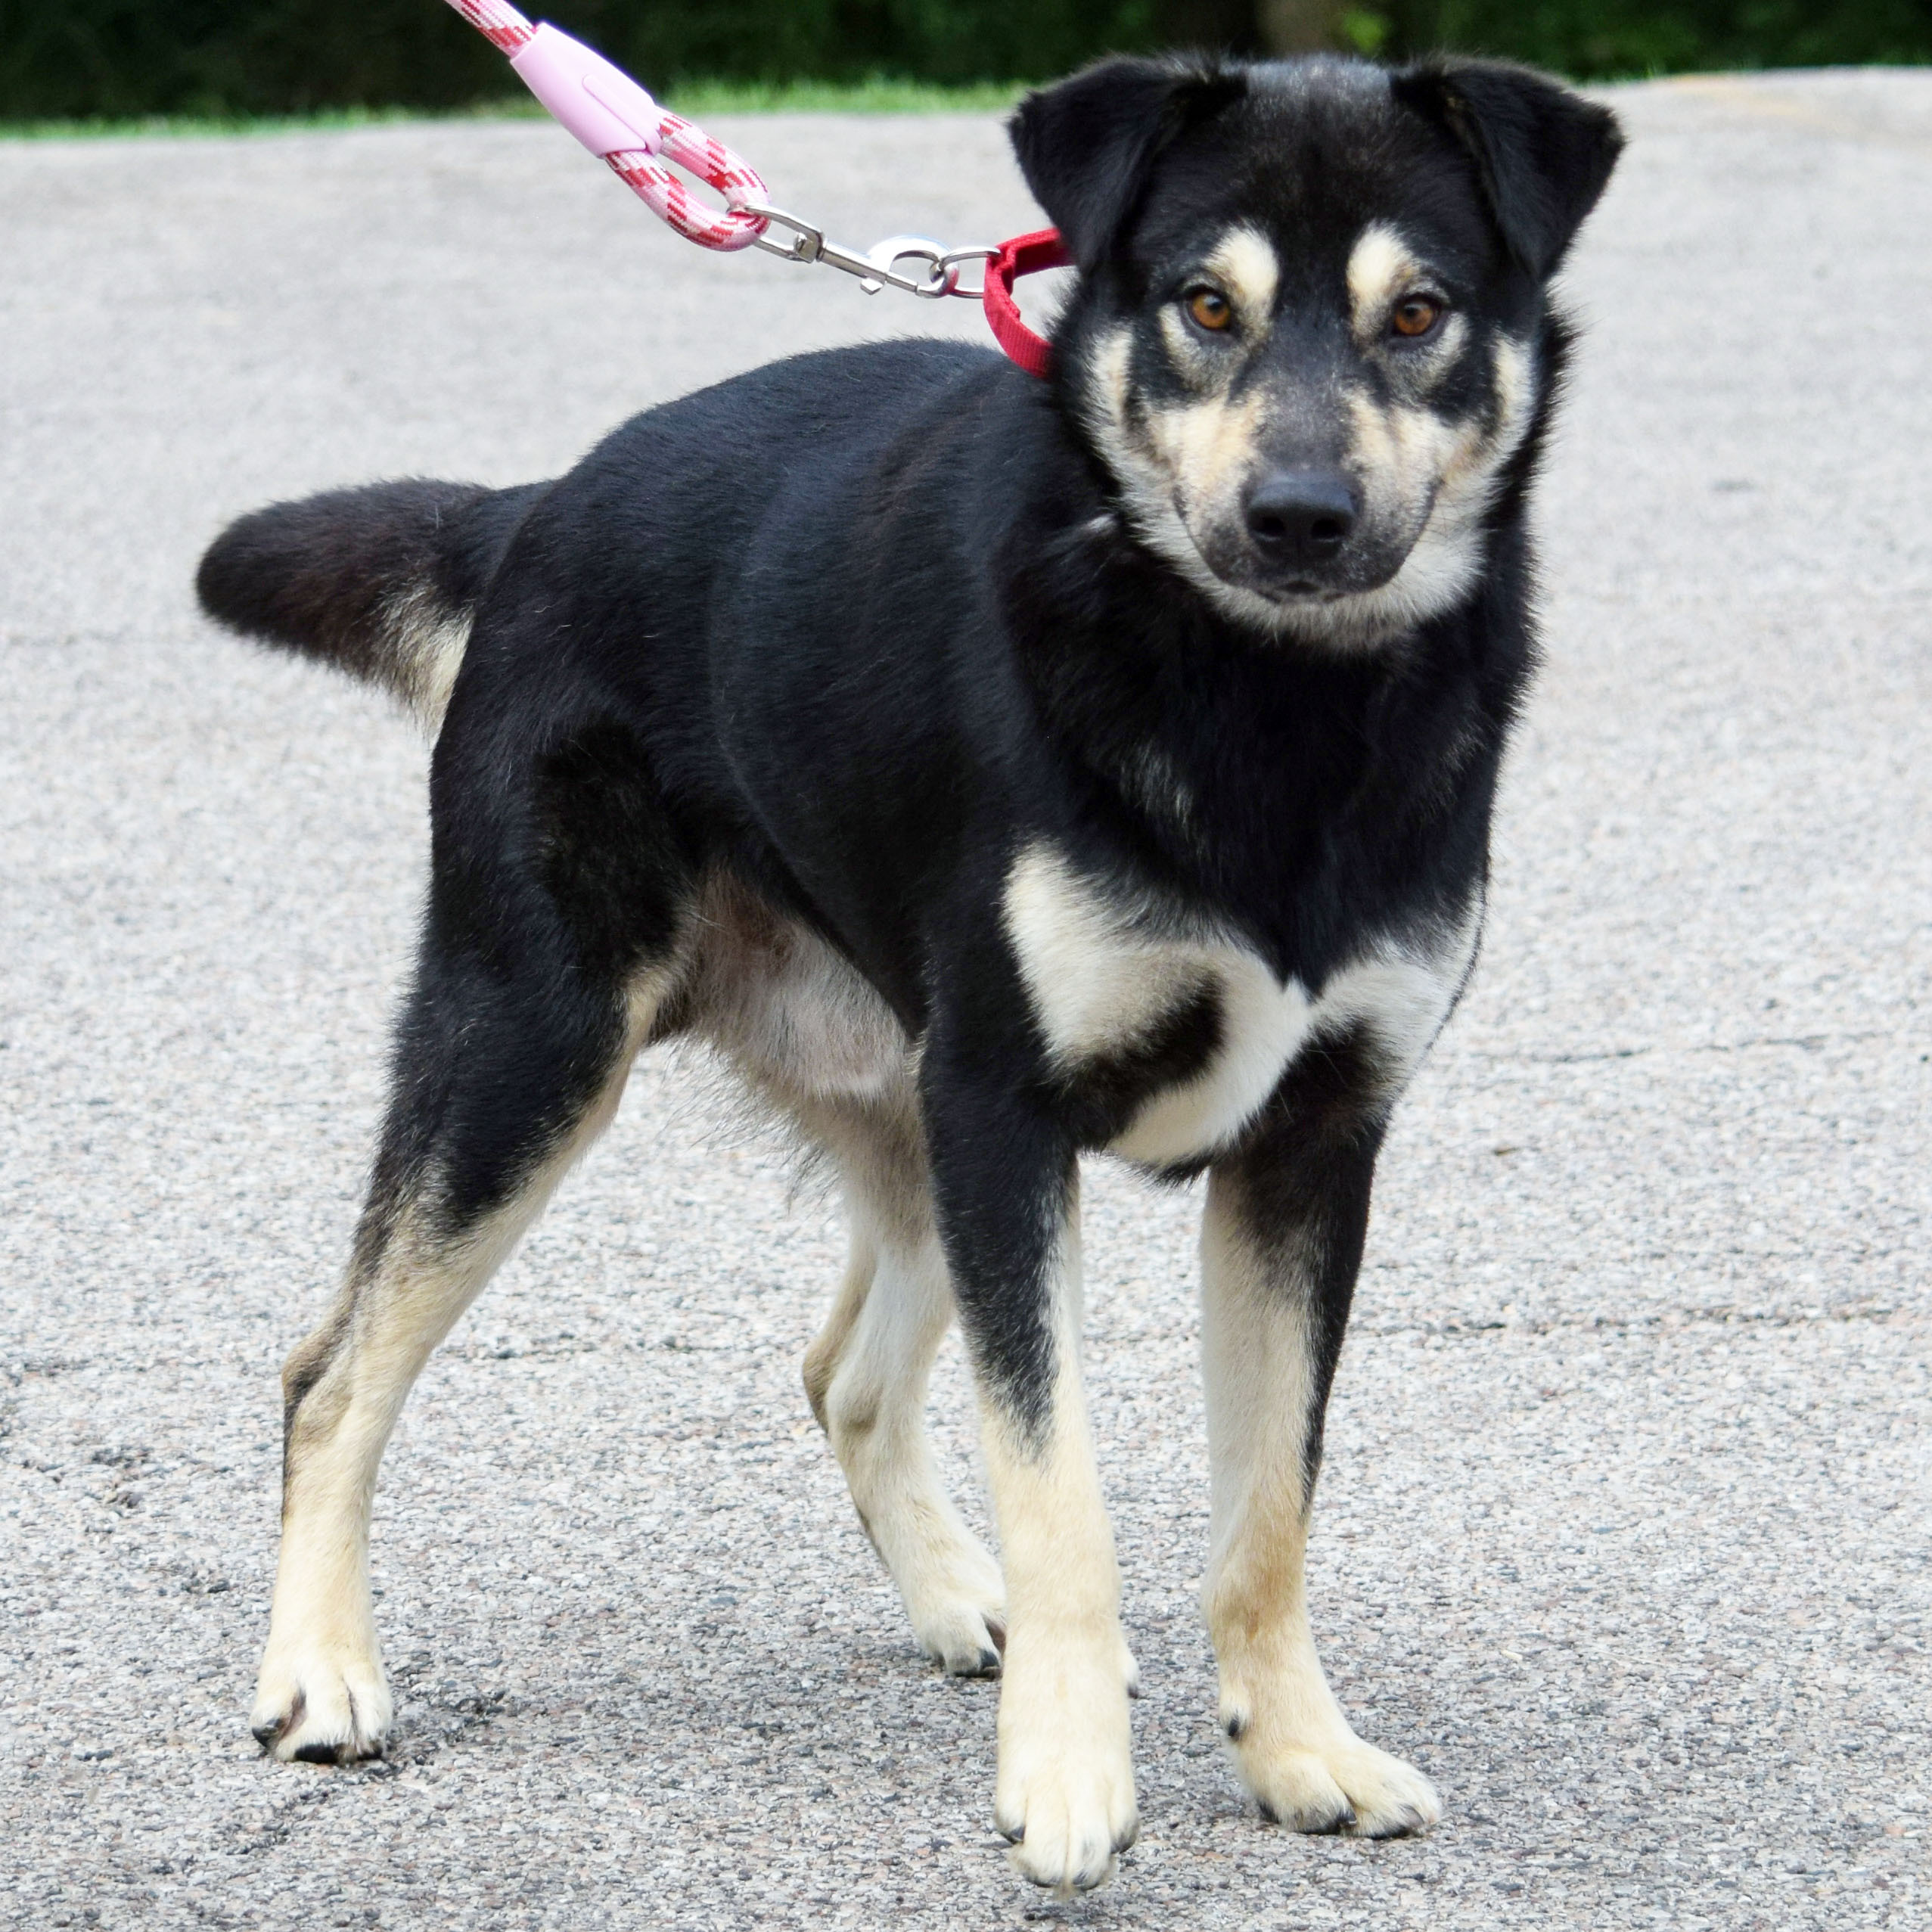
<point>954,259</point>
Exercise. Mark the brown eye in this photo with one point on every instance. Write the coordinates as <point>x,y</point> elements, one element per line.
<point>1209,308</point>
<point>1417,314</point>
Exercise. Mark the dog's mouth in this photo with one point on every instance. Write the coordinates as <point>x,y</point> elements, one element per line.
<point>1356,576</point>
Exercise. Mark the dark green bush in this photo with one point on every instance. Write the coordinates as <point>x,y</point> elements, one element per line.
<point>1600,38</point>
<point>85,58</point>
<point>73,58</point>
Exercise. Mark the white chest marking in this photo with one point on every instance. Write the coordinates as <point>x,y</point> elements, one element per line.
<point>1103,973</point>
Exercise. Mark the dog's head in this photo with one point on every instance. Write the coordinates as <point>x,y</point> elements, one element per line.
<point>1308,340</point>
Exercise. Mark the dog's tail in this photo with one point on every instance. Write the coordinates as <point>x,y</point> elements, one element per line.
<point>382,583</point>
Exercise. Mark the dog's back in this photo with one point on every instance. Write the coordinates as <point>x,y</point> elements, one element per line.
<point>384,582</point>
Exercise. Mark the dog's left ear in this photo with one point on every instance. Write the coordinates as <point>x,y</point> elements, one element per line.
<point>1543,153</point>
<point>1087,144</point>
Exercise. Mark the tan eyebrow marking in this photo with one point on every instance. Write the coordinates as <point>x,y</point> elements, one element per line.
<point>1380,267</point>
<point>1245,263</point>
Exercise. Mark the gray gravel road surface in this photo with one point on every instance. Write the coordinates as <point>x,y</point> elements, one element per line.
<point>1623,1536</point>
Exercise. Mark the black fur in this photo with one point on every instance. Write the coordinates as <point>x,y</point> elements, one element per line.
<point>1302,1178</point>
<point>1087,146</point>
<point>319,575</point>
<point>1544,154</point>
<point>855,628</point>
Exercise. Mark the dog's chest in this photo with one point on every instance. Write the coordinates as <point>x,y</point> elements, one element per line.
<point>1104,977</point>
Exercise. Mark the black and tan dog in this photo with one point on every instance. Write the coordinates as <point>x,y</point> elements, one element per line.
<point>995,772</point>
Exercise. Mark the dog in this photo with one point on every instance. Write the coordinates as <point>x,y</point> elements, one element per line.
<point>995,772</point>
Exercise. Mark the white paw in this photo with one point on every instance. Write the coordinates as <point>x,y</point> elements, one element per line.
<point>1066,1786</point>
<point>958,1606</point>
<point>321,1703</point>
<point>1327,1779</point>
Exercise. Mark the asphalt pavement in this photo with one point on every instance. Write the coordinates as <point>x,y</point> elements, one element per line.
<point>1623,1532</point>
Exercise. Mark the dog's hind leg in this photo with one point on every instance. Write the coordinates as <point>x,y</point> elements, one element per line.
<point>866,1375</point>
<point>453,1192</point>
<point>1281,1242</point>
<point>500,1082</point>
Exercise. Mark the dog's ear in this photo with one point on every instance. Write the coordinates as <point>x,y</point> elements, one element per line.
<point>1086,144</point>
<point>1542,153</point>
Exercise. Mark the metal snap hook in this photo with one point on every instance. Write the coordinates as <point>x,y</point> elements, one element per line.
<point>886,255</point>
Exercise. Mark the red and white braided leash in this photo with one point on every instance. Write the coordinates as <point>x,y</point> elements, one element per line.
<point>625,129</point>
<point>599,103</point>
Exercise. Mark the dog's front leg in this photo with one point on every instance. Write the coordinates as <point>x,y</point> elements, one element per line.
<point>1006,1186</point>
<point>1281,1244</point>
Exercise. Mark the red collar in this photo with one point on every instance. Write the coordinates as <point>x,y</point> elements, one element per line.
<point>1024,255</point>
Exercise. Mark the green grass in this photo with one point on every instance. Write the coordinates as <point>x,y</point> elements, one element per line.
<point>878,95</point>
<point>162,126</point>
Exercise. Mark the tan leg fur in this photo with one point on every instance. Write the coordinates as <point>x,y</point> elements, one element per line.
<point>320,1694</point>
<point>1295,1750</point>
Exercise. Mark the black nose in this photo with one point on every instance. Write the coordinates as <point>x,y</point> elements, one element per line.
<point>1301,517</point>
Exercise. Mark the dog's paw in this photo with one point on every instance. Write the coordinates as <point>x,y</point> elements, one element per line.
<point>956,1602</point>
<point>324,1705</point>
<point>1066,1788</point>
<point>1331,1782</point>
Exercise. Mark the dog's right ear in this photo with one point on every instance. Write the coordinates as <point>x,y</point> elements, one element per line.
<point>1086,144</point>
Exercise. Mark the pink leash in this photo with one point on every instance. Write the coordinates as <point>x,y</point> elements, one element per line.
<point>613,117</point>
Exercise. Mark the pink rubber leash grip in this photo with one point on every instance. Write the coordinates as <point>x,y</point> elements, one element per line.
<point>624,128</point>
<point>600,104</point>
<point>1024,255</point>
<point>614,117</point>
<point>619,122</point>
